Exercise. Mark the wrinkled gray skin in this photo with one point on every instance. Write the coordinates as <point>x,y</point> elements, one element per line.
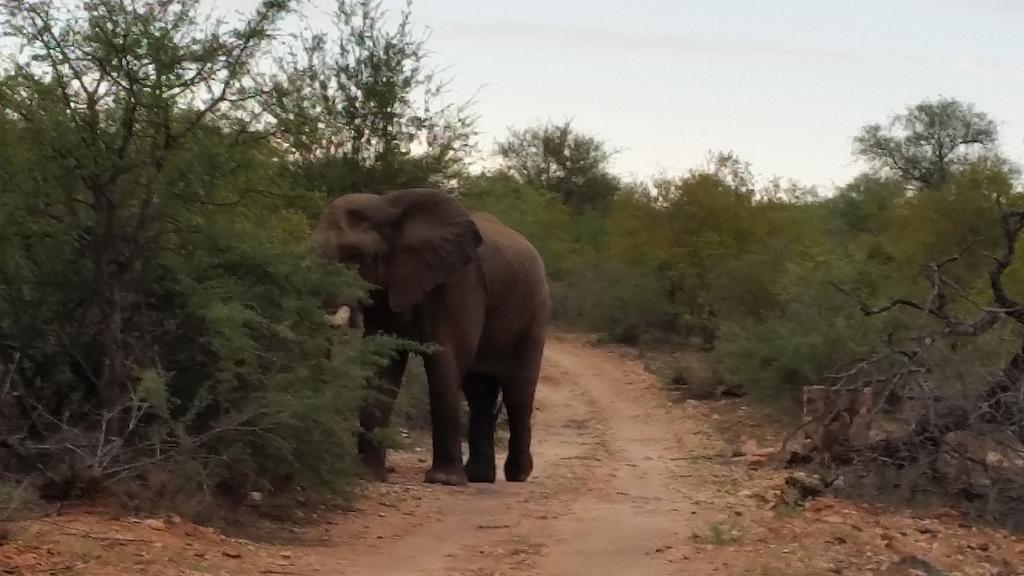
<point>465,282</point>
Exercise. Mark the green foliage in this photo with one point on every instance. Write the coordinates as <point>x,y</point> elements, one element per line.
<point>158,305</point>
<point>929,142</point>
<point>158,302</point>
<point>770,272</point>
<point>864,205</point>
<point>360,111</point>
<point>816,330</point>
<point>628,305</point>
<point>557,158</point>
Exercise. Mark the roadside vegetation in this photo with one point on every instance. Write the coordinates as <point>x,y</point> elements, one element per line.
<point>160,328</point>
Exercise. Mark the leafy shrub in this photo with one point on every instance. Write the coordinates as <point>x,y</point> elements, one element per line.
<point>628,305</point>
<point>159,309</point>
<point>817,330</point>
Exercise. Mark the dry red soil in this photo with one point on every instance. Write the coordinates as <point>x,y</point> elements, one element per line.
<point>626,482</point>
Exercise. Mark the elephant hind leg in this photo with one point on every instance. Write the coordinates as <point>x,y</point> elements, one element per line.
<point>518,393</point>
<point>482,397</point>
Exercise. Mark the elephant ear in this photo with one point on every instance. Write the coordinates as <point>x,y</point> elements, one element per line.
<point>433,238</point>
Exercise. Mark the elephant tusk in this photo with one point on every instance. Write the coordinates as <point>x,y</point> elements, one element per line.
<point>340,318</point>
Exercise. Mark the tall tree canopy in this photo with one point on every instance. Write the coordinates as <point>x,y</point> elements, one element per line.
<point>557,158</point>
<point>157,302</point>
<point>928,142</point>
<point>360,109</point>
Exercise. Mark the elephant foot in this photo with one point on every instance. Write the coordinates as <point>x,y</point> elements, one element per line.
<point>479,471</point>
<point>447,475</point>
<point>518,467</point>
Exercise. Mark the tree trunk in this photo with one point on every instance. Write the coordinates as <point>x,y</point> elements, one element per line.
<point>114,375</point>
<point>113,381</point>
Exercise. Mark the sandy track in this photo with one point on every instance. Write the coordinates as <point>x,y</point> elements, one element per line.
<point>625,483</point>
<point>607,497</point>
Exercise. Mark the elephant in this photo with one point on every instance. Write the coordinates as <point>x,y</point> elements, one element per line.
<point>468,284</point>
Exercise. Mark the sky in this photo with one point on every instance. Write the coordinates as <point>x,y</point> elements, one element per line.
<point>785,84</point>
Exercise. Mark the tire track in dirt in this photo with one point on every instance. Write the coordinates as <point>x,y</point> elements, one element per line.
<point>482,527</point>
<point>606,497</point>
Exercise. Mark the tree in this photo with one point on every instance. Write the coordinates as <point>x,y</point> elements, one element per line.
<point>863,204</point>
<point>929,142</point>
<point>117,93</point>
<point>359,108</point>
<point>157,302</point>
<point>557,158</point>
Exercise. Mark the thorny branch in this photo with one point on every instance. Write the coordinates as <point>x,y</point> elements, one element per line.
<point>1001,401</point>
<point>939,297</point>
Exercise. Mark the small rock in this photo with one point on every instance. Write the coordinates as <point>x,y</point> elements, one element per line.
<point>801,487</point>
<point>751,448</point>
<point>756,462</point>
<point>154,524</point>
<point>255,497</point>
<point>231,554</point>
<point>913,566</point>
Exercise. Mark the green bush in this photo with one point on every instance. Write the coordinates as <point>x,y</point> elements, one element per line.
<point>159,308</point>
<point>626,304</point>
<point>815,329</point>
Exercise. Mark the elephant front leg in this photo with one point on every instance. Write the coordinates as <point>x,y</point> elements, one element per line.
<point>444,378</point>
<point>375,415</point>
<point>482,394</point>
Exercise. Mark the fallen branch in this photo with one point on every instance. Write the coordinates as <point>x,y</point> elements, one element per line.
<point>82,533</point>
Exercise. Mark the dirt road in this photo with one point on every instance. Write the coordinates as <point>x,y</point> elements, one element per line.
<point>625,483</point>
<point>610,495</point>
